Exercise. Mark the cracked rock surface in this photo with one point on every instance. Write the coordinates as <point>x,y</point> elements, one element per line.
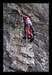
<point>19,54</point>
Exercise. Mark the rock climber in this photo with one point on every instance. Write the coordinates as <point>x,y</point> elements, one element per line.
<point>28,29</point>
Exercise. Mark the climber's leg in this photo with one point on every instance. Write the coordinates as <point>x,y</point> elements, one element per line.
<point>24,36</point>
<point>32,38</point>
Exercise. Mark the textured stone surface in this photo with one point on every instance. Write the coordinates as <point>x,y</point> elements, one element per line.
<point>21,55</point>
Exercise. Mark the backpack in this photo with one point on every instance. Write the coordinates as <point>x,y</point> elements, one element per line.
<point>27,20</point>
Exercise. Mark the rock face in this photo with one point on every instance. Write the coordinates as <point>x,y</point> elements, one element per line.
<point>19,54</point>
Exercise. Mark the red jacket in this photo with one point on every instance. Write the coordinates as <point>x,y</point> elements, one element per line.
<point>27,29</point>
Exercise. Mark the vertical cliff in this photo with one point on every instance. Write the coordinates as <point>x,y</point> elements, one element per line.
<point>19,54</point>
